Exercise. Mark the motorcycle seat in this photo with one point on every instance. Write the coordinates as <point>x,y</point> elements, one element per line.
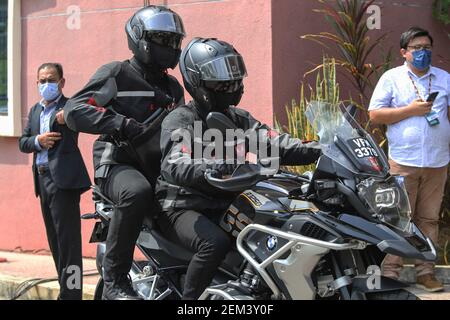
<point>161,242</point>
<point>171,248</point>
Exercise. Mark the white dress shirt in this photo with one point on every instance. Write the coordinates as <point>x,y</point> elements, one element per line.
<point>412,141</point>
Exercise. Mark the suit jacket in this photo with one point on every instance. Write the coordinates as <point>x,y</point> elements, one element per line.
<point>65,161</point>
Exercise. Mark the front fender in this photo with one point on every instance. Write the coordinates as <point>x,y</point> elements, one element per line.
<point>375,283</point>
<point>410,244</point>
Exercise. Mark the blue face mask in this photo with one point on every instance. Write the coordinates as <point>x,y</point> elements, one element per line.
<point>421,59</point>
<point>49,91</point>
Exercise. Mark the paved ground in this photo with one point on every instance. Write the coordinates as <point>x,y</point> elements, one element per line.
<point>423,295</point>
<point>20,267</point>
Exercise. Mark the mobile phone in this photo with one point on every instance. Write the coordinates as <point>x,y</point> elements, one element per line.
<point>432,96</point>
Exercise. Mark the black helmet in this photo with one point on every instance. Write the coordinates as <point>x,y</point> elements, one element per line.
<point>212,72</point>
<point>154,36</point>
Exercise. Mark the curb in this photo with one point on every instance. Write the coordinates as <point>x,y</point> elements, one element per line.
<point>50,290</point>
<point>43,291</point>
<point>408,274</point>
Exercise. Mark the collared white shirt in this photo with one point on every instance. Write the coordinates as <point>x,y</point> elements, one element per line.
<point>412,141</point>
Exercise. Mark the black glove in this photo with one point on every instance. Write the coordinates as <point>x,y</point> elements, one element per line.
<point>132,129</point>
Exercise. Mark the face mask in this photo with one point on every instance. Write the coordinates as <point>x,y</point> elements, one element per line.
<point>164,57</point>
<point>224,100</point>
<point>157,55</point>
<point>421,59</point>
<point>212,101</point>
<point>49,91</point>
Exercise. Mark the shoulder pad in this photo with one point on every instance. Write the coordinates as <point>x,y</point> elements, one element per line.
<point>240,112</point>
<point>181,117</point>
<point>109,70</point>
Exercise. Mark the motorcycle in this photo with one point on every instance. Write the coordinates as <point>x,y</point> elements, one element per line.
<point>321,235</point>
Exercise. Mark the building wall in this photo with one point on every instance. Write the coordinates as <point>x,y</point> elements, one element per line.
<point>293,57</point>
<point>266,32</point>
<point>101,39</point>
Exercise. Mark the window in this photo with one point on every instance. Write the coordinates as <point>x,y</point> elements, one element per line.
<point>10,60</point>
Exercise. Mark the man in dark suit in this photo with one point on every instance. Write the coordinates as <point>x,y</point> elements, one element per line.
<point>60,177</point>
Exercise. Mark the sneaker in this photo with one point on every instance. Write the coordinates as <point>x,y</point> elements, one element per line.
<point>429,283</point>
<point>119,289</point>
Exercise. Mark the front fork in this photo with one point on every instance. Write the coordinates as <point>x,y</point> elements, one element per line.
<point>353,286</point>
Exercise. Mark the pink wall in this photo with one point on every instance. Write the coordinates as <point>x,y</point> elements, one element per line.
<point>266,32</point>
<point>293,57</point>
<point>101,39</point>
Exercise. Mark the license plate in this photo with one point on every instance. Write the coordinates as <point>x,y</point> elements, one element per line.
<point>362,148</point>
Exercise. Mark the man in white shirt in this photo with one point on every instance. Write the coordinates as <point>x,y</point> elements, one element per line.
<point>418,133</point>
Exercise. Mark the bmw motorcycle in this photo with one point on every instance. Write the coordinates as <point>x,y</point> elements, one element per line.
<point>321,235</point>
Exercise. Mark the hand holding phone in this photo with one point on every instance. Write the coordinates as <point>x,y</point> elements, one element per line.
<point>432,96</point>
<point>432,117</point>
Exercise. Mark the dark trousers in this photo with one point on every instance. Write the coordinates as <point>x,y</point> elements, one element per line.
<point>61,212</point>
<point>201,234</point>
<point>133,195</point>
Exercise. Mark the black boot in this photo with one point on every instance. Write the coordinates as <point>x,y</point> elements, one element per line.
<point>119,289</point>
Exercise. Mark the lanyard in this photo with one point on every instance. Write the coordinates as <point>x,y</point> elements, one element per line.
<point>417,90</point>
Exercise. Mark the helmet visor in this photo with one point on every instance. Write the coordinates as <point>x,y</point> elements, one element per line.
<point>224,86</point>
<point>164,21</point>
<point>226,68</point>
<point>167,39</point>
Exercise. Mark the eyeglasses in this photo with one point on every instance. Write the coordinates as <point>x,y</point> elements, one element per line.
<point>166,39</point>
<point>420,47</point>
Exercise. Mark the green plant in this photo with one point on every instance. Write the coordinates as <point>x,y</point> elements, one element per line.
<point>441,10</point>
<point>347,19</point>
<point>445,223</point>
<point>326,89</point>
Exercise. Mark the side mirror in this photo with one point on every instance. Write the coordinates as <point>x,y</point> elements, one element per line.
<point>219,121</point>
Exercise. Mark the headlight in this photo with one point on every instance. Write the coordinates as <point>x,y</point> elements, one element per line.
<point>388,200</point>
<point>386,197</point>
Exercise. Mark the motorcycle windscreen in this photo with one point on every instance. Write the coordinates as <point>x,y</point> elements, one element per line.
<point>344,141</point>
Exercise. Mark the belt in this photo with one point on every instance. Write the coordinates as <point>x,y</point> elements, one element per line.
<point>42,169</point>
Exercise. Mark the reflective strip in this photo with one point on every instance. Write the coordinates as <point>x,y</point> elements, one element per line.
<point>121,94</point>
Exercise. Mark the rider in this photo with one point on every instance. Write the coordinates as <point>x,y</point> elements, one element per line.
<point>213,73</point>
<point>114,103</point>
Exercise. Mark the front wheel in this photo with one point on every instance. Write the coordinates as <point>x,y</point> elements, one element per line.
<point>400,294</point>
<point>99,290</point>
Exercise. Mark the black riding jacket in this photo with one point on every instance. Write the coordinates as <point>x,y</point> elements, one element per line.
<point>117,91</point>
<point>182,184</point>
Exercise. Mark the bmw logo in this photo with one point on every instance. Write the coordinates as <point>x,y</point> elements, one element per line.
<point>271,242</point>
